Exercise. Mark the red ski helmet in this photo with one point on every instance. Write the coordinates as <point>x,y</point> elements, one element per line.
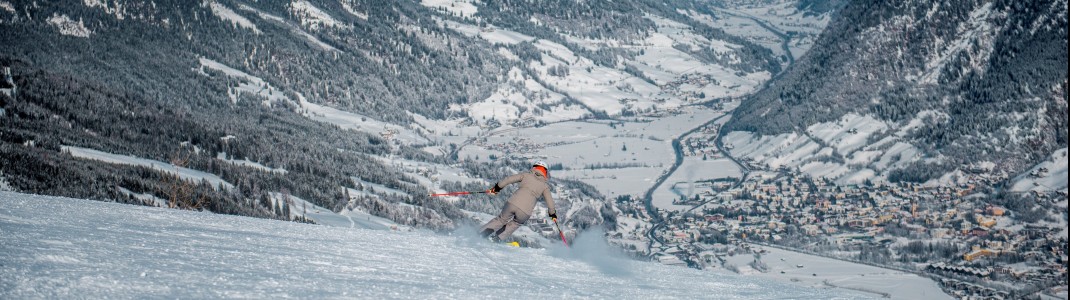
<point>542,167</point>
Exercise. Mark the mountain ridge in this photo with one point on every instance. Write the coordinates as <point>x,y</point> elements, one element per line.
<point>991,71</point>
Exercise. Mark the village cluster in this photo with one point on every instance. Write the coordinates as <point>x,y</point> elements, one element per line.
<point>983,249</point>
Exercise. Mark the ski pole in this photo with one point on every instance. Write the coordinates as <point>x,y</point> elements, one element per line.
<point>457,193</point>
<point>559,232</point>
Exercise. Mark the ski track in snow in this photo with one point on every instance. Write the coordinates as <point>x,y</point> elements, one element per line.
<point>52,247</point>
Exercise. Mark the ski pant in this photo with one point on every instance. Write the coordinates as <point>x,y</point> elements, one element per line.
<point>505,223</point>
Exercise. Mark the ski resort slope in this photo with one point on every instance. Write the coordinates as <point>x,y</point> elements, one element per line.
<point>54,247</point>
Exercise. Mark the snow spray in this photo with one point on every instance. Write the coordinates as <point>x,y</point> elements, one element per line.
<point>590,247</point>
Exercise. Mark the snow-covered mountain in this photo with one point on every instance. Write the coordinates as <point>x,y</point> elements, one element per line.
<point>69,248</point>
<point>917,91</point>
<point>263,108</point>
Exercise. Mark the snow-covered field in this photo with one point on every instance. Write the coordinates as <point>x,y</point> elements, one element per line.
<point>313,17</point>
<point>248,83</point>
<point>54,247</point>
<point>227,14</point>
<point>147,198</point>
<point>248,163</point>
<point>616,181</point>
<point>852,137</point>
<point>357,122</point>
<point>460,8</point>
<point>742,27</point>
<point>622,158</point>
<point>184,173</point>
<point>323,216</point>
<point>663,63</point>
<point>293,28</point>
<point>684,181</point>
<point>429,174</point>
<point>820,272</point>
<point>259,87</point>
<point>1049,175</point>
<point>784,17</point>
<point>869,148</point>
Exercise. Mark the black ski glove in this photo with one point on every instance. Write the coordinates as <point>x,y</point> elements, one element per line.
<point>495,189</point>
<point>553,216</point>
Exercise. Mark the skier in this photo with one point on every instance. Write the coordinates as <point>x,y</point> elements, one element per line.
<point>520,205</point>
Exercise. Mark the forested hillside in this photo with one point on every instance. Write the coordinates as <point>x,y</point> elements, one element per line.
<point>962,81</point>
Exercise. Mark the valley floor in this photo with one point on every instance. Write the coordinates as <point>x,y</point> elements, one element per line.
<point>821,272</point>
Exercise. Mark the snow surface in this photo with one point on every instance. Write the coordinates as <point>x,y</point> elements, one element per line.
<point>257,86</point>
<point>295,29</point>
<point>429,174</point>
<point>850,137</point>
<point>94,3</point>
<point>683,182</point>
<point>247,84</point>
<point>784,16</point>
<point>522,91</point>
<point>975,37</point>
<point>357,122</point>
<point>322,216</point>
<point>821,272</point>
<point>664,64</point>
<point>348,6</point>
<point>66,26</point>
<point>678,77</point>
<point>147,198</point>
<point>615,182</point>
<point>373,189</point>
<point>70,248</point>
<point>7,6</point>
<point>4,185</point>
<point>225,13</point>
<point>585,148</point>
<point>184,173</point>
<point>1053,180</point>
<point>460,8</point>
<point>742,27</point>
<point>247,163</point>
<point>313,17</point>
<point>490,34</point>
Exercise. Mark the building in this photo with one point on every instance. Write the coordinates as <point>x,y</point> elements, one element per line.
<point>715,218</point>
<point>979,231</point>
<point>993,210</point>
<point>986,222</point>
<point>979,253</point>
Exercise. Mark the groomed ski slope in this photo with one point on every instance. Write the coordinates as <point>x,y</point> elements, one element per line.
<point>53,247</point>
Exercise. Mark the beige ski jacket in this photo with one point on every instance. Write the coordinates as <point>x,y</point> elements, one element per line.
<point>532,185</point>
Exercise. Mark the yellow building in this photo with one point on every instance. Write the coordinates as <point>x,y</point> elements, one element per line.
<point>885,218</point>
<point>995,210</point>
<point>979,253</point>
<point>986,222</point>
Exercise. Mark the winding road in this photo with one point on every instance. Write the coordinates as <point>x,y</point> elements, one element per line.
<point>785,38</point>
<point>648,198</point>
